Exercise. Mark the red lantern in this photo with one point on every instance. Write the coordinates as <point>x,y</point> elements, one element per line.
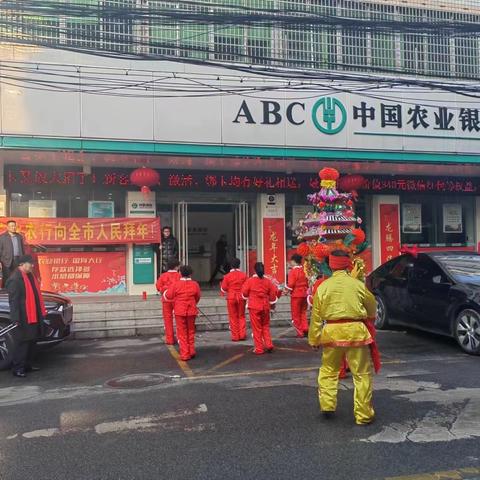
<point>145,178</point>
<point>351,183</point>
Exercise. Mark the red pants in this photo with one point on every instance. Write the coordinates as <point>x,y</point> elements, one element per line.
<point>236,316</point>
<point>298,307</point>
<point>260,321</point>
<point>186,337</point>
<point>167,308</point>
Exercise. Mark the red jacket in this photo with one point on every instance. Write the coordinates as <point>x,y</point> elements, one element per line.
<point>185,294</point>
<point>261,293</point>
<point>232,284</point>
<point>297,282</point>
<point>166,280</point>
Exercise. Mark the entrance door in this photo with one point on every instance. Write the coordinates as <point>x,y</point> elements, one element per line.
<point>242,234</point>
<point>180,227</point>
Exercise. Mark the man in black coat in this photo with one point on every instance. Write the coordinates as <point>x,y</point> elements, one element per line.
<point>12,247</point>
<point>27,311</point>
<point>169,248</point>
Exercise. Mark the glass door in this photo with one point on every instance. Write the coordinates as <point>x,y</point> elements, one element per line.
<point>242,234</point>
<point>180,226</point>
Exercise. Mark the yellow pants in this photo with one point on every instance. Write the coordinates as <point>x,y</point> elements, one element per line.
<point>360,365</point>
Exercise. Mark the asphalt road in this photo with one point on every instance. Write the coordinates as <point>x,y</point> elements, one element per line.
<point>127,409</point>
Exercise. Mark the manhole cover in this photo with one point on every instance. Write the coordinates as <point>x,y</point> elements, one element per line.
<point>137,381</point>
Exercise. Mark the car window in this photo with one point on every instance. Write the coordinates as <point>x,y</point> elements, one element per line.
<point>463,268</point>
<point>426,270</point>
<point>401,268</point>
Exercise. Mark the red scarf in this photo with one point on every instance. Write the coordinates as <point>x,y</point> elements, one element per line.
<point>30,303</point>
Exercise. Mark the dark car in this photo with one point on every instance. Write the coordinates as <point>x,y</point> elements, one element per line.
<point>55,327</point>
<point>436,292</point>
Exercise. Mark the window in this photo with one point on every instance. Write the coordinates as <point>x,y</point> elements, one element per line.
<point>354,48</point>
<point>428,220</point>
<point>228,44</point>
<point>427,271</point>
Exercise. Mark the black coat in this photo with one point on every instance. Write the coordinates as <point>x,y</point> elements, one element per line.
<point>169,251</point>
<point>6,249</point>
<point>18,314</point>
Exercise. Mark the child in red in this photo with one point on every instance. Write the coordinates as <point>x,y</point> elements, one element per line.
<point>261,294</point>
<point>185,294</point>
<point>297,286</point>
<point>231,286</point>
<point>166,280</point>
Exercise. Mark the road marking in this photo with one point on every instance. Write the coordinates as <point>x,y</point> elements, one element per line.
<point>230,360</point>
<point>283,333</point>
<point>171,421</point>
<point>183,365</point>
<point>461,474</point>
<point>288,349</point>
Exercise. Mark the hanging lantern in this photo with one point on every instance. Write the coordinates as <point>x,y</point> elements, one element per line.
<point>351,183</point>
<point>145,178</point>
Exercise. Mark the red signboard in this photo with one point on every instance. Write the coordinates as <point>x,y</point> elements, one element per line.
<point>83,272</point>
<point>389,232</point>
<point>87,231</point>
<point>274,248</point>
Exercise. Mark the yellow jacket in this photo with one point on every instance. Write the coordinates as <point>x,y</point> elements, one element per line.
<point>341,297</point>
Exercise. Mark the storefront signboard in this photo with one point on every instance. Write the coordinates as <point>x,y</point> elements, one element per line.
<point>389,232</point>
<point>83,272</point>
<point>412,218</point>
<point>139,205</point>
<point>88,231</point>
<point>101,209</point>
<point>452,218</point>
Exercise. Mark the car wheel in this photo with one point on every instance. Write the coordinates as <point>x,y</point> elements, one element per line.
<point>7,346</point>
<point>467,331</point>
<point>381,320</point>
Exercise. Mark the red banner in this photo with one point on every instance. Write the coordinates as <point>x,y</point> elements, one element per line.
<point>389,232</point>
<point>274,248</point>
<point>83,272</point>
<point>87,231</point>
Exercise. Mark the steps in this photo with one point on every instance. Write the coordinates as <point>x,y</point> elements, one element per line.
<point>121,316</point>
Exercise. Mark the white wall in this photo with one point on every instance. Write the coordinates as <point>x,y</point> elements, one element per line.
<point>210,120</point>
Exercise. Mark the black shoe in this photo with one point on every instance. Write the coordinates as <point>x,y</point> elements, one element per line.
<point>328,415</point>
<point>32,368</point>
<point>269,350</point>
<point>19,373</point>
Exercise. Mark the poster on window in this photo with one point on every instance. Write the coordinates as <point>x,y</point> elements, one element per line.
<point>452,218</point>
<point>412,218</point>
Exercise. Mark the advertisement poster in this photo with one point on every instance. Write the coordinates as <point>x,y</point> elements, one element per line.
<point>412,218</point>
<point>87,231</point>
<point>389,232</point>
<point>83,272</point>
<point>101,209</point>
<point>274,248</point>
<point>42,208</point>
<point>452,218</point>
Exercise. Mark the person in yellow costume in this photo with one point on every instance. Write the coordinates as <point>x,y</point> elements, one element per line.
<point>341,308</point>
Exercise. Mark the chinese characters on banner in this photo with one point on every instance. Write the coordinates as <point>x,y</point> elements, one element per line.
<point>274,248</point>
<point>87,231</point>
<point>83,272</point>
<point>389,232</point>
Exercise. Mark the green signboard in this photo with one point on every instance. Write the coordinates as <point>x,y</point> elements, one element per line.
<point>143,265</point>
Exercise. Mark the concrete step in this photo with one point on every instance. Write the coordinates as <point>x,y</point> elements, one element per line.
<point>126,316</point>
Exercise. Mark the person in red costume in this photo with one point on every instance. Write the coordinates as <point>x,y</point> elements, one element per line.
<point>166,280</point>
<point>297,286</point>
<point>261,294</point>
<point>185,295</point>
<point>231,286</point>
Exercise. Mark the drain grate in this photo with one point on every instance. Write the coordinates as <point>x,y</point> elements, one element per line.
<point>144,380</point>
